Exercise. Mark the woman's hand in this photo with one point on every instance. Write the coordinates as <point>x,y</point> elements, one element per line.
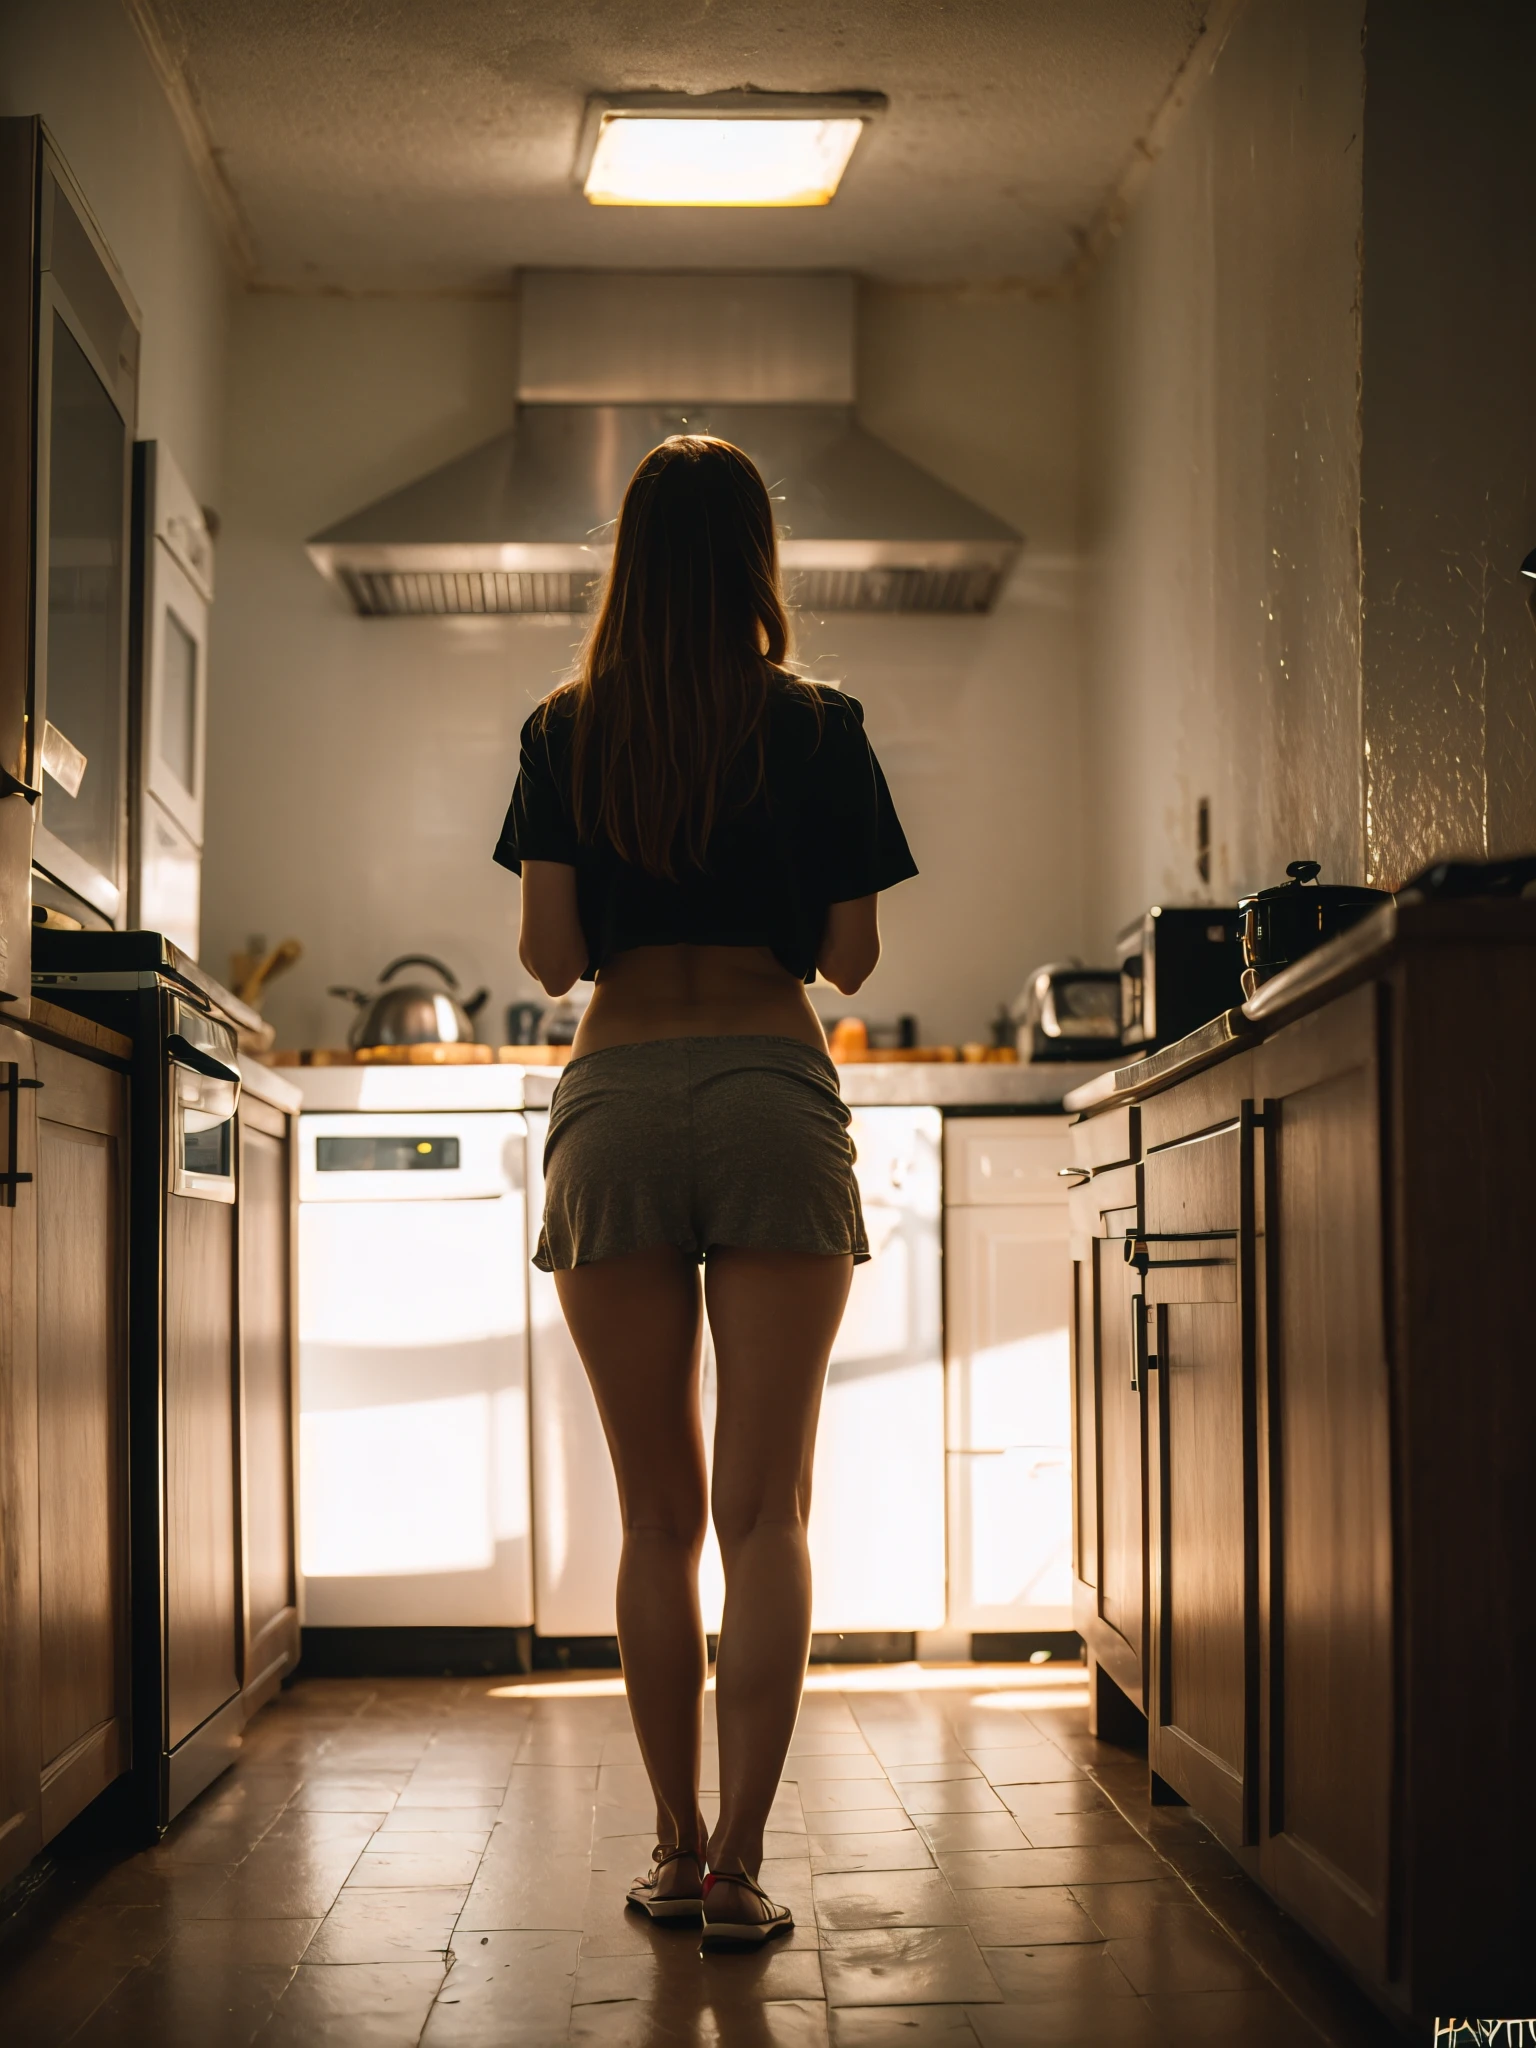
<point>850,944</point>
<point>551,943</point>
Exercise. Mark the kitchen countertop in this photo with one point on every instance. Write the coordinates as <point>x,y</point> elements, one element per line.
<point>1355,956</point>
<point>955,1085</point>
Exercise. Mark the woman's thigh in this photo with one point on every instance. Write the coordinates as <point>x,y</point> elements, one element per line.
<point>635,1322</point>
<point>773,1317</point>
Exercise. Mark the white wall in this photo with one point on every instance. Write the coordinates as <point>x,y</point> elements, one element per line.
<point>359,769</point>
<point>80,64</point>
<point>1222,485</point>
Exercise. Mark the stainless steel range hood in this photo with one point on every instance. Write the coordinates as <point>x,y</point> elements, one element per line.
<point>612,365</point>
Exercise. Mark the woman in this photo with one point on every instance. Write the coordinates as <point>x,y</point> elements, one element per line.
<point>700,831</point>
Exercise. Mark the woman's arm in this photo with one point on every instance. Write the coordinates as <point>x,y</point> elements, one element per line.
<point>850,944</point>
<point>551,943</point>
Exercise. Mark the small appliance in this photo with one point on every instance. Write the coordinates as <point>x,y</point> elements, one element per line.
<point>1068,1012</point>
<point>1179,968</point>
<point>1283,924</point>
<point>410,1013</point>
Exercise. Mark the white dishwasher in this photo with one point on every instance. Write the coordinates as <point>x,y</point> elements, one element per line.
<point>877,1508</point>
<point>1008,1283</point>
<point>414,1502</point>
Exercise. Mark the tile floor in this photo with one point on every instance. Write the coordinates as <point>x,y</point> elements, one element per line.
<point>444,1862</point>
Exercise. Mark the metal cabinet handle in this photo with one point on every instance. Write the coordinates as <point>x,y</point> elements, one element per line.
<point>12,1081</point>
<point>1137,1254</point>
<point>12,785</point>
<point>1143,1359</point>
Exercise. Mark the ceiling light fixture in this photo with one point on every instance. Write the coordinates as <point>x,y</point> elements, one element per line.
<point>720,149</point>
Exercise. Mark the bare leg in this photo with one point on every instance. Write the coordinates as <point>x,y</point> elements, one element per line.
<point>773,1316</point>
<point>635,1322</point>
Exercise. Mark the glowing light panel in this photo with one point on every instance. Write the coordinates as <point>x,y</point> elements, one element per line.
<point>661,160</point>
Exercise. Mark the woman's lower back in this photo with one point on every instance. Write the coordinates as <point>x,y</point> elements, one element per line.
<point>659,992</point>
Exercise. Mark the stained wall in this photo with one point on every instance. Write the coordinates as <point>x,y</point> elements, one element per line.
<point>1221,486</point>
<point>1449,435</point>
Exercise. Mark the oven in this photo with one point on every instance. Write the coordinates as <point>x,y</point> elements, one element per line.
<point>172,595</point>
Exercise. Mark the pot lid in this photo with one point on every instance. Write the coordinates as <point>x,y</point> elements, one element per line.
<point>1303,877</point>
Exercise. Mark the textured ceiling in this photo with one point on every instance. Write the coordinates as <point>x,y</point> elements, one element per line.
<point>428,145</point>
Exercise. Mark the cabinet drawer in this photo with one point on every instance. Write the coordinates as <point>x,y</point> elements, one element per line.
<point>1108,1139</point>
<point>1098,1207</point>
<point>990,1161</point>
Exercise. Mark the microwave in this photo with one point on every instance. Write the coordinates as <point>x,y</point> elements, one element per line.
<point>1179,968</point>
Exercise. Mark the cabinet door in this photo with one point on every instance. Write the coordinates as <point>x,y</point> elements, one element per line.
<point>1119,1643</point>
<point>201,1556</point>
<point>1008,1293</point>
<point>81,1433</point>
<point>1327,1814</point>
<point>1203,1727</point>
<point>266,1395</point>
<point>21,1834</point>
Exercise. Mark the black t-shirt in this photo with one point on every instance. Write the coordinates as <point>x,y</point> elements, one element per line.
<point>821,830</point>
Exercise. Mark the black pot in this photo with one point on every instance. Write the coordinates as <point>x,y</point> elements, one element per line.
<point>1283,925</point>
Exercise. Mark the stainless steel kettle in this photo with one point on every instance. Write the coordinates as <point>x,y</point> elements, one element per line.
<point>411,1013</point>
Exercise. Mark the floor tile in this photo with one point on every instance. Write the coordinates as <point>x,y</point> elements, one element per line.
<point>863,1820</point>
<point>1189,1954</point>
<point>827,1742</point>
<point>545,1893</point>
<point>1001,1916</point>
<point>279,1884</point>
<point>848,1795</point>
<point>1038,1974</point>
<point>432,1820</point>
<point>853,1764</point>
<point>885,1898</point>
<point>932,1774</point>
<point>349,1795</point>
<point>46,1996</point>
<point>636,2023</point>
<point>1140,1908</point>
<point>438,1793</point>
<point>896,1850</point>
<point>905,1966</point>
<point>971,1831</point>
<point>1069,2023</point>
<point>1113,1865</point>
<point>396,1926</point>
<point>674,1971</point>
<point>1256,2019</point>
<point>953,1795</point>
<point>1065,1795</point>
<point>215,2006</point>
<point>902,2026</point>
<point>354,2005</point>
<point>1043,1765</point>
<point>1075,1830</point>
<point>421,1860</point>
<point>510,1989</point>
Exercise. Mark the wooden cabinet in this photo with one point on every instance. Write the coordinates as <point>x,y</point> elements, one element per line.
<point>1325,1303</point>
<point>65,1730</point>
<point>1327,1491</point>
<point>1196,1317</point>
<point>1109,1434</point>
<point>270,1624</point>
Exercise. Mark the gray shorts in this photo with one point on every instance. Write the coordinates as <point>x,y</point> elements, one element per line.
<point>699,1142</point>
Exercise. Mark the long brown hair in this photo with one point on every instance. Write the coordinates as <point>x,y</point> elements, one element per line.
<point>688,645</point>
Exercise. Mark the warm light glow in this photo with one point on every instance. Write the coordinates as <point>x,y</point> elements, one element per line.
<point>1020,1688</point>
<point>661,160</point>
